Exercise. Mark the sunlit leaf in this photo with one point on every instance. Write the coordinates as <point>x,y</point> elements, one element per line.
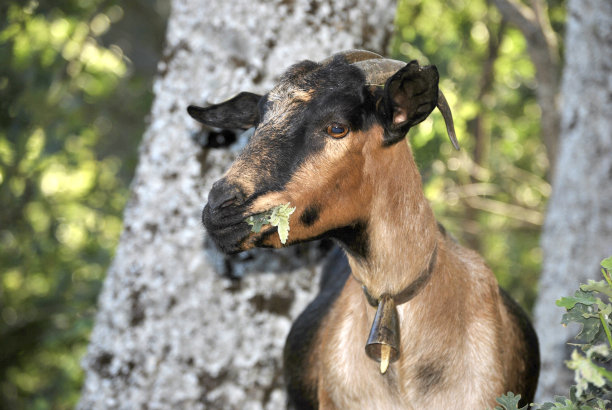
<point>585,372</point>
<point>586,298</point>
<point>600,286</point>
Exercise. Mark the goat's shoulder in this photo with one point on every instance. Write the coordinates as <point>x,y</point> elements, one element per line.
<point>498,323</point>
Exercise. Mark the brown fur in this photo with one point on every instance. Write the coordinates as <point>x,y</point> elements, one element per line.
<point>464,326</point>
<point>457,325</point>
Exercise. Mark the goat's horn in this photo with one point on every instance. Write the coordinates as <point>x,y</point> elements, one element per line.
<point>378,71</point>
<point>448,119</point>
<point>353,56</point>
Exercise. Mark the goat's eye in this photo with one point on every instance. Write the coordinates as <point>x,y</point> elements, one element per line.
<point>337,130</point>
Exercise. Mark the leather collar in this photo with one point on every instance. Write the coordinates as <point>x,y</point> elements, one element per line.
<point>411,290</point>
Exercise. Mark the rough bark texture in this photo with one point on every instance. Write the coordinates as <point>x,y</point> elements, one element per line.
<point>578,228</point>
<point>174,330</point>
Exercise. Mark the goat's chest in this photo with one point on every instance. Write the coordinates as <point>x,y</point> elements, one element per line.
<point>435,370</point>
<point>357,384</point>
<point>347,377</point>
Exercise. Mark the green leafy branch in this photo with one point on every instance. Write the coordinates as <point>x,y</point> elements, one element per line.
<point>593,381</point>
<point>589,310</point>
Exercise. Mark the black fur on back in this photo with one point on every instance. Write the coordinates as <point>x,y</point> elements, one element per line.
<point>532,354</point>
<point>300,340</point>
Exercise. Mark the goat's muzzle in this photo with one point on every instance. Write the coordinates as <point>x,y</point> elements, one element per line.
<point>224,217</point>
<point>224,195</point>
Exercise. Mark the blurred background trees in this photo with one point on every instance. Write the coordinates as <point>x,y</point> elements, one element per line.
<point>75,88</point>
<point>72,110</point>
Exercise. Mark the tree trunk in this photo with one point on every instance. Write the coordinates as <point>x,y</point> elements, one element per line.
<point>578,228</point>
<point>179,324</point>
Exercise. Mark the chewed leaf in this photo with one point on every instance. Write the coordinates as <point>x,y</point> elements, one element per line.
<point>280,219</point>
<point>277,216</point>
<point>257,221</point>
<point>283,230</point>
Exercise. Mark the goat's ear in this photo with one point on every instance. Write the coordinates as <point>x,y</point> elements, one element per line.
<point>238,112</point>
<point>410,95</point>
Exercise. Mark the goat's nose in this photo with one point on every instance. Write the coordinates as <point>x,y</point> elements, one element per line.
<point>223,195</point>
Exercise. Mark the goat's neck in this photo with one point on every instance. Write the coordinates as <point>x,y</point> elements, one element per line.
<point>401,227</point>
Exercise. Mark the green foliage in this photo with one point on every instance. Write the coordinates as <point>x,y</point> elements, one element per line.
<point>277,216</point>
<point>606,265</point>
<point>65,162</point>
<point>585,298</point>
<point>509,402</point>
<point>590,307</point>
<point>587,372</point>
<point>492,193</point>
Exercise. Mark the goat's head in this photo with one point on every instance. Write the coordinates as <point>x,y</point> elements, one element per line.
<point>318,134</point>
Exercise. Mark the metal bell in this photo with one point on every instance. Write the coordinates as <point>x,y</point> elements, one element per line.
<point>383,342</point>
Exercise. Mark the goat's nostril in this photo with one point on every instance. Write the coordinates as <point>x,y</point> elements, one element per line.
<point>223,195</point>
<point>227,203</point>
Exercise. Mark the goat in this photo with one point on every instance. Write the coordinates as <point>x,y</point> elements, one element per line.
<point>329,140</point>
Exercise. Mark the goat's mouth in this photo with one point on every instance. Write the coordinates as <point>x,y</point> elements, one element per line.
<point>227,228</point>
<point>230,230</point>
